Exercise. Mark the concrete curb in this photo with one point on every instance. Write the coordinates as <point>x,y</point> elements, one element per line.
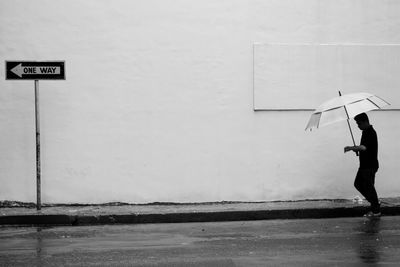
<point>220,216</point>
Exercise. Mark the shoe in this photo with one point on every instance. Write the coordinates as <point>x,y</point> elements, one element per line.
<point>372,214</point>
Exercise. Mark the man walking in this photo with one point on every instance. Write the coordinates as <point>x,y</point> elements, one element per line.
<point>368,150</point>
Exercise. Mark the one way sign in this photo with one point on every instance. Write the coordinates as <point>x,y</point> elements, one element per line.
<point>35,70</point>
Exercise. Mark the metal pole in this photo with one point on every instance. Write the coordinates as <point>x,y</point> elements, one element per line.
<point>38,168</point>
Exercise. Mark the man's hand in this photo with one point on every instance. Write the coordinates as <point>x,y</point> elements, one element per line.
<point>354,148</point>
<point>348,148</point>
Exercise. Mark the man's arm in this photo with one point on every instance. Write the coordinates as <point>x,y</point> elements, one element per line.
<point>355,148</point>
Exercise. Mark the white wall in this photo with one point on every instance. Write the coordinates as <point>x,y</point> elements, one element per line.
<point>158,101</point>
<point>310,73</point>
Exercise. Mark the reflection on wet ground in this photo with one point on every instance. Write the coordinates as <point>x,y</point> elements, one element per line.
<point>370,241</point>
<point>326,242</point>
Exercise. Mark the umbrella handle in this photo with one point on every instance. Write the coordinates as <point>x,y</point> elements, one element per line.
<point>348,123</point>
<point>352,136</point>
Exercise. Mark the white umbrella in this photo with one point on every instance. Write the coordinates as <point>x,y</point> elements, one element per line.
<point>344,107</point>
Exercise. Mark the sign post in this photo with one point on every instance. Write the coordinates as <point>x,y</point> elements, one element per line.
<point>36,70</point>
<point>38,167</point>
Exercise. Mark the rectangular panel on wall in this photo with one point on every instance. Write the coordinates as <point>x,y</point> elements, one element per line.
<point>297,77</point>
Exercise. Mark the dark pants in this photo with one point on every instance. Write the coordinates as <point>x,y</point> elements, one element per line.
<point>365,184</point>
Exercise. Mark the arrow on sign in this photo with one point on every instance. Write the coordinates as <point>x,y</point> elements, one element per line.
<point>19,70</point>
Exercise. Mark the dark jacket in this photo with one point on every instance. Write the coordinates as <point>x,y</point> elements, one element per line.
<point>369,157</point>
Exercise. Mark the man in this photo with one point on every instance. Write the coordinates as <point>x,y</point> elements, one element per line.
<point>368,150</point>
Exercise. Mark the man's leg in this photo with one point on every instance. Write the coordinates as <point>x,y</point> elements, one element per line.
<point>371,191</point>
<point>365,184</point>
<point>359,183</point>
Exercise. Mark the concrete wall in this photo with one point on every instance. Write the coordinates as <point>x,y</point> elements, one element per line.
<point>158,101</point>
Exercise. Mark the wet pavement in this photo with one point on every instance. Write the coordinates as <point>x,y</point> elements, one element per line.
<point>352,241</point>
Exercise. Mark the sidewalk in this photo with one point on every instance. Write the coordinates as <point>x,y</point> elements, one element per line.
<point>14,213</point>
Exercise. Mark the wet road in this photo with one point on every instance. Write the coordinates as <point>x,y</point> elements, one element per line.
<point>324,242</point>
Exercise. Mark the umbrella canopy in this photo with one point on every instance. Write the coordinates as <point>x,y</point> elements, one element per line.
<point>344,107</point>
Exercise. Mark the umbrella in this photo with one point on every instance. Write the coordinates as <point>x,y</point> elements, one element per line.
<point>344,107</point>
